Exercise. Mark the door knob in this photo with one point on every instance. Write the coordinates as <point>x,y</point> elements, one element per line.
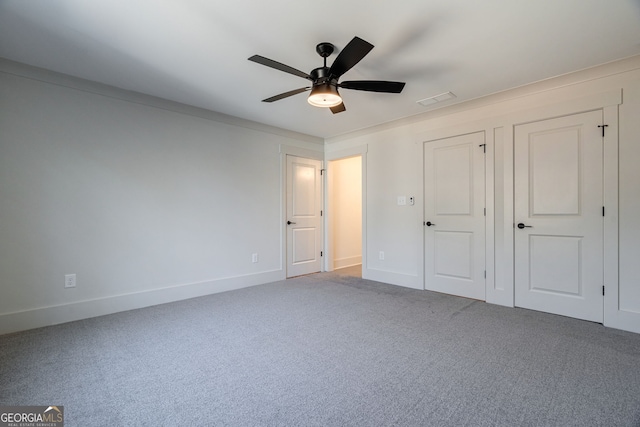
<point>521,226</point>
<point>290,222</point>
<point>429,223</point>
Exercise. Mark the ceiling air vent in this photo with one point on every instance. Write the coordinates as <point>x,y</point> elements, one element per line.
<point>437,98</point>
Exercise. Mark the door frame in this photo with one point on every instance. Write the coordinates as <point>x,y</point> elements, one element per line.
<point>360,151</point>
<point>504,140</point>
<point>287,150</point>
<point>589,303</point>
<point>489,195</point>
<point>450,142</point>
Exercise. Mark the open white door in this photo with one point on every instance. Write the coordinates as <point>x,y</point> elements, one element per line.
<point>559,216</point>
<point>454,199</point>
<point>304,221</point>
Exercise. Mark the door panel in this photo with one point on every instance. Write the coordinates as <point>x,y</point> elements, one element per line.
<point>303,188</point>
<point>554,170</point>
<point>556,264</point>
<point>453,179</point>
<point>453,254</point>
<point>304,245</point>
<point>558,203</point>
<point>304,200</point>
<point>454,206</point>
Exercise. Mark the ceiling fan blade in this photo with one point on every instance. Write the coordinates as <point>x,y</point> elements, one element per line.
<point>338,108</point>
<point>374,86</point>
<point>352,53</point>
<point>279,66</point>
<point>286,94</point>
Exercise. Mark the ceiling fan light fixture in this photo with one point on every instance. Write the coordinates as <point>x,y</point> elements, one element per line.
<point>324,95</point>
<point>325,80</point>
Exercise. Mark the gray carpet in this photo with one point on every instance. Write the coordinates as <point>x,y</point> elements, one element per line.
<point>353,271</point>
<point>327,350</point>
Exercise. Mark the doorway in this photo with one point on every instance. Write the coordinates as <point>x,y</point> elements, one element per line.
<point>344,215</point>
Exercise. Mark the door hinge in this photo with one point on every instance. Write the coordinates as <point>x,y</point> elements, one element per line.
<point>320,213</point>
<point>320,253</point>
<point>602,127</point>
<point>603,211</point>
<point>485,211</point>
<point>322,171</point>
<point>602,289</point>
<point>485,274</point>
<point>484,147</point>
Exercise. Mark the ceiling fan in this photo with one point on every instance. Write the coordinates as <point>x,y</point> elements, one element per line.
<point>324,87</point>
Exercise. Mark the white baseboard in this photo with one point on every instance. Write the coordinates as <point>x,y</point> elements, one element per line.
<point>47,316</point>
<point>392,278</point>
<point>625,320</point>
<point>347,262</point>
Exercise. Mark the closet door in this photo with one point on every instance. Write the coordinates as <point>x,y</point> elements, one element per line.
<point>559,216</point>
<point>454,223</point>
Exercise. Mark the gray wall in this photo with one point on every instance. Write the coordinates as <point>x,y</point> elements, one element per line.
<point>145,200</point>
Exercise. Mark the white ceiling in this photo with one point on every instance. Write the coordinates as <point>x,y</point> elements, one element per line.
<point>195,51</point>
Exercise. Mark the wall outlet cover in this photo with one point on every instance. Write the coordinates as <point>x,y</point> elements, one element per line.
<point>69,280</point>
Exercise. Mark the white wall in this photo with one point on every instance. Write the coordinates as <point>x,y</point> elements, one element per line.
<point>149,201</point>
<point>345,211</point>
<point>394,167</point>
<point>145,200</point>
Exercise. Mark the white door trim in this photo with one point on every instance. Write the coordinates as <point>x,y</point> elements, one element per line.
<point>614,315</point>
<point>360,151</point>
<point>504,137</point>
<point>502,292</point>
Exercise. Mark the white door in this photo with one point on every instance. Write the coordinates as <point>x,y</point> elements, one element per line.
<point>558,216</point>
<point>304,221</point>
<point>454,225</point>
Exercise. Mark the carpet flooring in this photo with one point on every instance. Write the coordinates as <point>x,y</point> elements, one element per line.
<point>327,349</point>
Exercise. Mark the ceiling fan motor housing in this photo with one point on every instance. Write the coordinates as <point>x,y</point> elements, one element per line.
<point>321,75</point>
<point>324,49</point>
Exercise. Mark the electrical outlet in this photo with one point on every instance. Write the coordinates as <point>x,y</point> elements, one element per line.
<point>69,280</point>
<point>381,256</point>
<point>254,257</point>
